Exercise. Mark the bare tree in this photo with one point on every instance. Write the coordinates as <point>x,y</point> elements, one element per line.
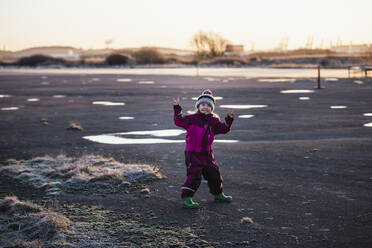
<point>210,43</point>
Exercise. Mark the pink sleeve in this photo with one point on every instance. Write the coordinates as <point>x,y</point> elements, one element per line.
<point>179,119</point>
<point>221,127</point>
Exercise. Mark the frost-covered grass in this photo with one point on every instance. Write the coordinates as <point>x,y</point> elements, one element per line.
<point>25,224</point>
<point>58,173</point>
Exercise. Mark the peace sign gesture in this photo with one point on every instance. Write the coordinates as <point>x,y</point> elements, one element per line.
<point>230,113</point>
<point>176,101</point>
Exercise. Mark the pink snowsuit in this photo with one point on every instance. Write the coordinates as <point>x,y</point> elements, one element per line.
<point>199,158</point>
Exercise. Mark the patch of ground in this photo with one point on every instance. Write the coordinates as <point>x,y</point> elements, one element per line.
<point>87,173</point>
<point>25,224</point>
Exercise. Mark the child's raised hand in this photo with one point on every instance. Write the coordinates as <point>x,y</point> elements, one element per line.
<point>230,113</point>
<point>176,101</point>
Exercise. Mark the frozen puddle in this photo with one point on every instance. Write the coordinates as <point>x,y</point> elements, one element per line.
<point>146,82</point>
<point>296,91</point>
<point>33,99</point>
<point>9,108</point>
<point>245,116</point>
<point>276,80</point>
<point>59,96</point>
<point>368,124</point>
<point>211,79</point>
<point>215,98</point>
<point>243,106</point>
<point>331,79</point>
<point>126,118</point>
<point>358,82</point>
<point>4,96</point>
<point>304,98</point>
<point>123,80</point>
<point>338,107</point>
<point>118,139</point>
<point>105,103</point>
<point>367,114</point>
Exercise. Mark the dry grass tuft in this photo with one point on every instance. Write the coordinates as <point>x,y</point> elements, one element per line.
<point>56,173</point>
<point>27,224</point>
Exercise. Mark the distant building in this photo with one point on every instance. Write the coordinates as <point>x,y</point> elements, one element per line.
<point>364,48</point>
<point>234,48</point>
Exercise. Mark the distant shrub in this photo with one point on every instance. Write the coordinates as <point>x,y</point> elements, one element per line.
<point>117,59</point>
<point>149,56</point>
<point>36,60</point>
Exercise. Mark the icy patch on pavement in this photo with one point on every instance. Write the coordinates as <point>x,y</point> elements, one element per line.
<point>126,118</point>
<point>338,107</point>
<point>296,91</point>
<point>107,103</point>
<point>277,80</point>
<point>33,99</point>
<point>123,80</point>
<point>120,139</point>
<point>146,82</point>
<point>243,106</point>
<point>9,108</point>
<point>245,116</point>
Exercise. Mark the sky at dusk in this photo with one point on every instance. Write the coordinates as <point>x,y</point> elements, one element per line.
<point>170,23</point>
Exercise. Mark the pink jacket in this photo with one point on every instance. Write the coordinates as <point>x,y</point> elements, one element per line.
<point>200,129</point>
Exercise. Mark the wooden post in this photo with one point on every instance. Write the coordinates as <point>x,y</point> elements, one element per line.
<point>319,86</point>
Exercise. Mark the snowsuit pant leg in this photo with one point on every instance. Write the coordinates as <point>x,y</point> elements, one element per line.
<point>199,164</point>
<point>212,174</point>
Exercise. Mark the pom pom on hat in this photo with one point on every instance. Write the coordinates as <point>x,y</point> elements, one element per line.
<point>206,97</point>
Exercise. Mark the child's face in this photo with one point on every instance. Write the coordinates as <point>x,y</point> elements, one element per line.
<point>205,108</point>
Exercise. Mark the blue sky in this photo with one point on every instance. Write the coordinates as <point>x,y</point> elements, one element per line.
<point>170,23</point>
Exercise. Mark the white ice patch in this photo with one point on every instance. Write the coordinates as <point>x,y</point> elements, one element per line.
<point>368,124</point>
<point>296,91</point>
<point>243,106</point>
<point>33,99</point>
<point>9,108</point>
<point>245,116</point>
<point>211,79</point>
<point>367,114</point>
<point>4,96</point>
<point>157,133</point>
<point>59,96</point>
<point>358,82</point>
<point>276,80</point>
<point>115,140</point>
<point>146,82</point>
<point>332,79</point>
<point>126,118</point>
<point>123,80</point>
<point>215,98</point>
<point>106,103</point>
<point>304,98</point>
<point>338,107</point>
<point>118,139</point>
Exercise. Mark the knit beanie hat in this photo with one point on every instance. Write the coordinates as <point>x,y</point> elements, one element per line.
<point>206,97</point>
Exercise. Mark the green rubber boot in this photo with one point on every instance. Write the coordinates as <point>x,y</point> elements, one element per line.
<point>189,203</point>
<point>222,198</point>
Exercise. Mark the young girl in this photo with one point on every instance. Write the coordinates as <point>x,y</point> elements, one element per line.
<point>201,128</point>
